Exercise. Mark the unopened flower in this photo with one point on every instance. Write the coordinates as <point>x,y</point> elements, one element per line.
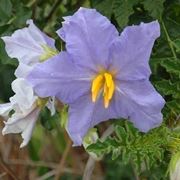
<point>91,138</point>
<point>102,75</point>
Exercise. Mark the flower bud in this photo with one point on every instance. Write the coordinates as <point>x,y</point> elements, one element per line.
<point>90,138</point>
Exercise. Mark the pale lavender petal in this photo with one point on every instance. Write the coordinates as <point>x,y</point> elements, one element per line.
<point>143,103</point>
<point>131,52</point>
<point>61,78</point>
<point>84,114</point>
<point>88,36</point>
<point>80,118</point>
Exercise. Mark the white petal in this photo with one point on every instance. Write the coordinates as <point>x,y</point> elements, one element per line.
<point>23,70</point>
<point>26,44</point>
<point>27,133</point>
<point>23,125</point>
<point>5,109</point>
<point>24,96</point>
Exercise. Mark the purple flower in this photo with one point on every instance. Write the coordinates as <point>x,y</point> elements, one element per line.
<point>102,75</point>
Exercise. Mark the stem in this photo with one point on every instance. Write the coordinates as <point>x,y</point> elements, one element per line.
<point>91,162</point>
<point>62,162</point>
<point>169,40</point>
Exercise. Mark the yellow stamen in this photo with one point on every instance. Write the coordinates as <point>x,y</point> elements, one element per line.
<point>103,81</point>
<point>96,86</point>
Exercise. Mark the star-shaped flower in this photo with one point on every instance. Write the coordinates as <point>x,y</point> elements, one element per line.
<point>102,75</point>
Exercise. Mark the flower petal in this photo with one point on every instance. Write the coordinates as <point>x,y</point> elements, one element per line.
<point>88,36</point>
<point>84,114</point>
<point>131,52</point>
<point>144,104</point>
<point>26,44</point>
<point>60,77</point>
<point>23,125</point>
<point>5,109</point>
<point>24,95</point>
<point>23,70</point>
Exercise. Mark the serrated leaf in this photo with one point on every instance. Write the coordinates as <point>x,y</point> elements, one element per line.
<point>155,7</point>
<point>122,10</point>
<point>171,65</point>
<point>166,87</point>
<point>120,132</point>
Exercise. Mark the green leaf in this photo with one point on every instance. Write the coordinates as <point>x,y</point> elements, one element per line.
<point>48,121</point>
<point>122,10</point>
<point>174,106</point>
<point>5,9</point>
<point>22,14</point>
<point>4,58</point>
<point>155,7</point>
<point>130,144</point>
<point>103,6</point>
<point>171,65</point>
<point>166,87</point>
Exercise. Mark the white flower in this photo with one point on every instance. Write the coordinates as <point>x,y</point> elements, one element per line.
<point>30,46</point>
<point>25,108</point>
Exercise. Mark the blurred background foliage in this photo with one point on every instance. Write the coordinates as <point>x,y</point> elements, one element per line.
<point>133,153</point>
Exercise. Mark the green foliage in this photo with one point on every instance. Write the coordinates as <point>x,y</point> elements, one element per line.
<point>119,8</point>
<point>154,7</point>
<point>147,152</point>
<point>47,120</point>
<point>133,146</point>
<point>122,10</point>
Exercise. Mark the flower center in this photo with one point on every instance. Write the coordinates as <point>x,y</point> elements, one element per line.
<point>106,83</point>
